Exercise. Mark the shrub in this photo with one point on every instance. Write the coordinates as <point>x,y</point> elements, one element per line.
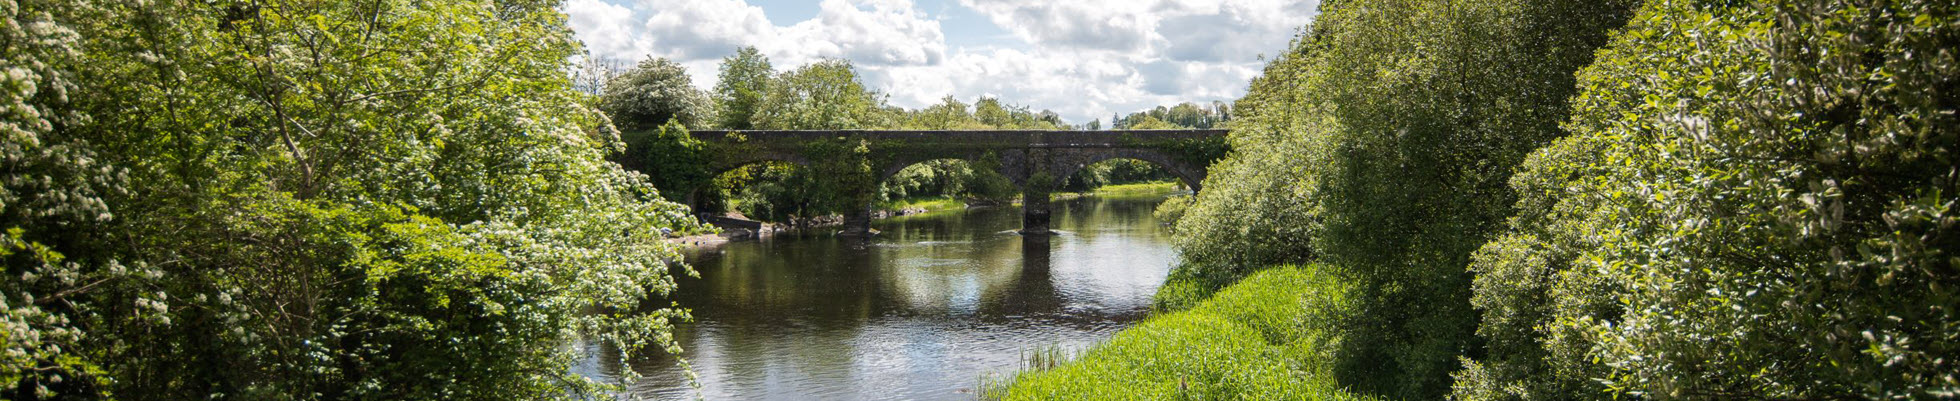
<point>653,93</point>
<point>1172,209</point>
<point>1758,200</point>
<point>1381,145</point>
<point>251,200</point>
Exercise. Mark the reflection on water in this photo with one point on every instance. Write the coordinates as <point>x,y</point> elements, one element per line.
<point>919,312</point>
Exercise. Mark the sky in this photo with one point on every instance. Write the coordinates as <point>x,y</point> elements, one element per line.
<point>1083,59</point>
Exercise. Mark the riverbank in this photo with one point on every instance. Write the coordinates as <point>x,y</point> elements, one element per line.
<point>1263,336</point>
<point>1141,188</point>
<point>891,209</point>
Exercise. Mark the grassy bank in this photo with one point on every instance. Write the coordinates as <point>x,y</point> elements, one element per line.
<point>1153,187</point>
<point>1259,339</point>
<point>929,204</point>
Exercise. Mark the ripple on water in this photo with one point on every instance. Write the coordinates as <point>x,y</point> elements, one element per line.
<point>919,313</point>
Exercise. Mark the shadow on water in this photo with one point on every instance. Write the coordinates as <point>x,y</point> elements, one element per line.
<point>919,312</point>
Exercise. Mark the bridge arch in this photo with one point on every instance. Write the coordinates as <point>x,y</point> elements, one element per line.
<point>699,203</point>
<point>899,163</point>
<point>1070,163</point>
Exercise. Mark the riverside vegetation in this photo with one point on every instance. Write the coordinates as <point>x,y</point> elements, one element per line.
<point>1554,199</point>
<point>1508,199</point>
<point>313,200</point>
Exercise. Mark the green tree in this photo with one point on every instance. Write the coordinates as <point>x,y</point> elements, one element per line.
<point>1383,143</point>
<point>744,81</point>
<point>949,114</point>
<point>992,113</point>
<point>676,163</point>
<point>1186,115</point>
<point>307,200</point>
<point>1757,202</point>
<point>52,207</point>
<point>652,93</point>
<point>821,95</point>
<point>1148,122</point>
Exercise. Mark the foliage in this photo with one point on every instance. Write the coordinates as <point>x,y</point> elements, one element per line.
<point>227,199</point>
<point>1184,115</point>
<point>841,168</point>
<point>592,73</point>
<point>651,94</point>
<point>1114,172</point>
<point>992,113</point>
<point>1381,146</point>
<point>949,114</point>
<point>991,187</point>
<point>676,162</point>
<point>978,180</point>
<point>744,80</point>
<point>1758,201</point>
<point>822,95</point>
<point>931,178</point>
<point>778,192</point>
<point>1148,122</point>
<point>1172,210</point>
<point>52,187</point>
<point>1260,339</point>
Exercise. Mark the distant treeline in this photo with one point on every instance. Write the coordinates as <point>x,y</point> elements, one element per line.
<point>1183,115</point>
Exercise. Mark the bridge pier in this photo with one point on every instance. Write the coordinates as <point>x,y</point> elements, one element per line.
<point>1034,211</point>
<point>857,222</point>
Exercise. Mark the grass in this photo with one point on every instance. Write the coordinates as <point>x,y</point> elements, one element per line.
<point>1153,187</point>
<point>930,204</point>
<point>1253,340</point>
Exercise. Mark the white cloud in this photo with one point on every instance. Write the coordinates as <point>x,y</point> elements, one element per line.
<point>881,32</point>
<point>1084,59</point>
<point>606,28</point>
<point>1117,25</point>
<point>701,29</point>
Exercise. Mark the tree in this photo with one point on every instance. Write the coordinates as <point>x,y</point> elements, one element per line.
<point>1148,122</point>
<point>949,114</point>
<point>744,81</point>
<point>992,113</point>
<point>592,74</point>
<point>1757,201</point>
<point>676,163</point>
<point>822,95</point>
<point>652,93</point>
<point>1383,144</point>
<point>52,205</point>
<point>250,200</point>
<point>1187,115</point>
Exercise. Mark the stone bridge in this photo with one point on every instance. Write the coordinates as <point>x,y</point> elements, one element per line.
<point>1035,161</point>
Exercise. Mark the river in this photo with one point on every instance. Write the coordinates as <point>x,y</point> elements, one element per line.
<point>921,312</point>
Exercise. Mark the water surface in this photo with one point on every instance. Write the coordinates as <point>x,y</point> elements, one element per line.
<point>920,312</point>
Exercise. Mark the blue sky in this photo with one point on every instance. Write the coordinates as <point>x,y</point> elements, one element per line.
<point>1084,59</point>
